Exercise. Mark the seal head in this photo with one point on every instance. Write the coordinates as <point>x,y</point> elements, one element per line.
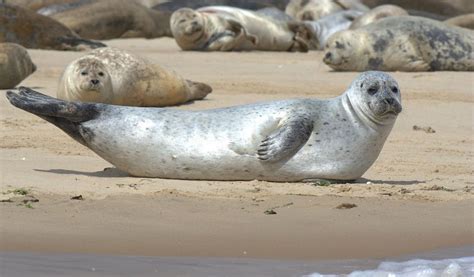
<point>188,25</point>
<point>343,51</point>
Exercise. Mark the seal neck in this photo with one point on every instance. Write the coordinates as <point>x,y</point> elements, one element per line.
<point>363,115</point>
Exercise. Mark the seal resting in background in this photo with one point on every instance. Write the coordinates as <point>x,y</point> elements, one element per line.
<point>15,65</point>
<point>232,29</point>
<point>464,21</point>
<point>377,14</point>
<point>286,140</point>
<point>175,5</point>
<point>322,29</point>
<point>109,19</point>
<point>402,43</point>
<point>113,76</point>
<point>32,30</point>
<point>312,10</point>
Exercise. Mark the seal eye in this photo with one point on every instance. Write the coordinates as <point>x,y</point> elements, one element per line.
<point>83,73</point>
<point>101,74</point>
<point>395,90</point>
<point>372,90</point>
<point>181,21</point>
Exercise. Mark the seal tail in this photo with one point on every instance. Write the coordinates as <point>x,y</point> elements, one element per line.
<point>67,116</point>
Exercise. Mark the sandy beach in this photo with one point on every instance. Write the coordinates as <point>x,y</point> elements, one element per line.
<point>418,196</point>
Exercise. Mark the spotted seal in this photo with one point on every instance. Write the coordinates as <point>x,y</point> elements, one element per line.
<point>113,76</point>
<point>402,43</point>
<point>377,14</point>
<point>312,10</point>
<point>219,28</point>
<point>286,140</point>
<point>15,65</point>
<point>32,30</point>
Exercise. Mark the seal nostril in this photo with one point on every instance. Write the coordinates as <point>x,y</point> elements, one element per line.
<point>328,55</point>
<point>94,81</point>
<point>389,101</point>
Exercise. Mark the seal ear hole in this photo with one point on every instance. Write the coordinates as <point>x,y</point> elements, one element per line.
<point>394,89</point>
<point>84,73</point>
<point>373,90</point>
<point>361,85</point>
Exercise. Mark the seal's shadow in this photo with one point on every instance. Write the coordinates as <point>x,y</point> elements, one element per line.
<point>107,172</point>
<point>391,182</point>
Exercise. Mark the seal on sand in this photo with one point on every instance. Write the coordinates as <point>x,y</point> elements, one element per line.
<point>286,140</point>
<point>32,30</point>
<point>402,43</point>
<point>377,14</point>
<point>220,28</point>
<point>465,21</point>
<point>312,10</point>
<point>15,65</point>
<point>109,19</point>
<point>113,76</point>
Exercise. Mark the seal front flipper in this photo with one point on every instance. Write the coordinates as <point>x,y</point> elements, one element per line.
<point>68,116</point>
<point>241,32</point>
<point>286,140</point>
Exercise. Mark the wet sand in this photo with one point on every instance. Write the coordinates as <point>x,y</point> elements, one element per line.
<point>417,197</point>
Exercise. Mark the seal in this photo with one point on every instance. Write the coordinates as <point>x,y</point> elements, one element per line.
<point>464,21</point>
<point>322,29</point>
<point>32,30</point>
<point>312,10</point>
<point>172,6</point>
<point>286,140</point>
<point>113,76</point>
<point>434,9</point>
<point>219,28</point>
<point>403,43</point>
<point>109,19</point>
<point>377,14</point>
<point>15,65</point>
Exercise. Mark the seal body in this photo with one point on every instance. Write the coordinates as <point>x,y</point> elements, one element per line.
<point>313,10</point>
<point>321,30</point>
<point>32,30</point>
<point>108,19</point>
<point>15,65</point>
<point>175,5</point>
<point>288,140</point>
<point>435,9</point>
<point>377,14</point>
<point>113,76</point>
<point>404,43</point>
<point>219,28</point>
<point>464,21</point>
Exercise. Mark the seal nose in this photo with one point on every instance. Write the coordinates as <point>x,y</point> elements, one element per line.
<point>94,81</point>
<point>328,56</point>
<point>389,101</point>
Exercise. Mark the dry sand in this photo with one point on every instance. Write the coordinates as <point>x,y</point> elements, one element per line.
<point>417,196</point>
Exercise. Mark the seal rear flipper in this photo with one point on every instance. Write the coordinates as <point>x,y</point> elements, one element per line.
<point>198,90</point>
<point>286,140</point>
<point>79,44</point>
<point>67,116</point>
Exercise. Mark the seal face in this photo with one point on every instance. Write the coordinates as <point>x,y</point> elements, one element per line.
<point>404,43</point>
<point>219,28</point>
<point>15,65</point>
<point>113,76</point>
<point>289,140</point>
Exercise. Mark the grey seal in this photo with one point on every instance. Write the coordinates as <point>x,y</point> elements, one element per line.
<point>402,43</point>
<point>287,140</point>
<point>15,65</point>
<point>312,10</point>
<point>377,14</point>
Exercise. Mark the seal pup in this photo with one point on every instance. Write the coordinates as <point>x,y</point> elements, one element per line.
<point>312,10</point>
<point>403,43</point>
<point>377,14</point>
<point>15,65</point>
<point>109,19</point>
<point>113,76</point>
<point>464,21</point>
<point>322,29</point>
<point>219,28</point>
<point>286,140</point>
<point>32,30</point>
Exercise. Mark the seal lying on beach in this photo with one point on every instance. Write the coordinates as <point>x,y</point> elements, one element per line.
<point>312,10</point>
<point>15,65</point>
<point>113,76</point>
<point>109,19</point>
<point>225,29</point>
<point>465,21</point>
<point>32,30</point>
<point>287,140</point>
<point>175,5</point>
<point>322,29</point>
<point>377,14</point>
<point>402,43</point>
